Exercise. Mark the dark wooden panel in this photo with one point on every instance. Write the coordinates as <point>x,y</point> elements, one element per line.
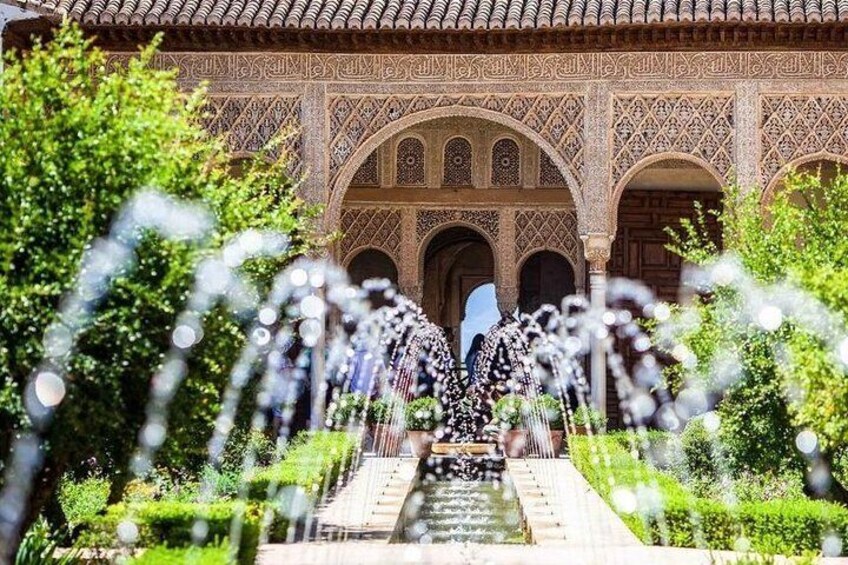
<point>639,252</point>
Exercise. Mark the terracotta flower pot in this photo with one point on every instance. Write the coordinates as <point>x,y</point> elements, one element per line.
<point>387,440</point>
<point>514,443</point>
<point>581,430</point>
<point>556,442</point>
<point>421,443</point>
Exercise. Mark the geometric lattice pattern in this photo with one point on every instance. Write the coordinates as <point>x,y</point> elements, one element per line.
<point>699,125</point>
<point>485,220</point>
<point>458,163</point>
<point>554,230</point>
<point>549,175</point>
<point>377,228</point>
<point>557,118</point>
<point>795,126</point>
<point>410,163</point>
<point>506,163</point>
<point>368,173</point>
<point>250,122</point>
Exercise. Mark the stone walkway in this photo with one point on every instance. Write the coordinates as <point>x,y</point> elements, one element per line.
<point>368,508</point>
<point>562,508</point>
<point>369,553</point>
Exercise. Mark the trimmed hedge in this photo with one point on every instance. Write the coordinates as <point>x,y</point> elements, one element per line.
<point>790,527</point>
<point>163,555</point>
<point>313,461</point>
<point>171,523</point>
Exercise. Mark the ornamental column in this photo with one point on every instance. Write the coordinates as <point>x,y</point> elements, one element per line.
<point>410,283</point>
<point>747,135</point>
<point>506,277</point>
<point>597,249</point>
<point>315,188</point>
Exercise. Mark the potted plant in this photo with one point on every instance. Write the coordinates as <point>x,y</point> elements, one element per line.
<point>552,409</point>
<point>586,416</point>
<point>508,420</point>
<point>423,415</point>
<point>385,419</point>
<point>346,412</point>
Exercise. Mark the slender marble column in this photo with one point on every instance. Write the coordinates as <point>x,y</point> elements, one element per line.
<point>597,249</point>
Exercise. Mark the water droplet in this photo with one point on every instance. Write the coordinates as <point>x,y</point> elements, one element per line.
<point>770,318</point>
<point>312,306</point>
<point>624,500</point>
<point>127,532</point>
<point>49,388</point>
<point>184,336</point>
<point>662,312</point>
<point>712,422</point>
<point>261,336</point>
<point>832,545</point>
<point>267,316</point>
<point>299,277</point>
<point>806,442</point>
<point>57,340</point>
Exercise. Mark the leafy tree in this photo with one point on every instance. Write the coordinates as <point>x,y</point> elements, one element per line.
<point>790,378</point>
<point>76,140</point>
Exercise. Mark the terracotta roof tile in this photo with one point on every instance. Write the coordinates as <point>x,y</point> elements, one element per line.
<point>435,14</point>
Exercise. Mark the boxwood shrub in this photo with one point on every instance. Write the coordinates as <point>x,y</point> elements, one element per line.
<point>164,555</point>
<point>171,523</point>
<point>790,527</point>
<point>313,461</point>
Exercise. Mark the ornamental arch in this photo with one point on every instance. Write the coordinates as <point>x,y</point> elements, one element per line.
<point>546,277</point>
<point>823,164</point>
<point>371,263</point>
<point>347,156</point>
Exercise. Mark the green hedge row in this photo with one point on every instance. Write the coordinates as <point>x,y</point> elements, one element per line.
<point>790,527</point>
<point>313,462</point>
<point>163,555</point>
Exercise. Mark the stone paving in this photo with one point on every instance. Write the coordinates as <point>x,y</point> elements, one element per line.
<point>569,524</point>
<point>369,506</point>
<point>561,508</point>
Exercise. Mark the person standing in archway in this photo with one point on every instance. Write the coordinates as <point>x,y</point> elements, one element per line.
<point>471,358</point>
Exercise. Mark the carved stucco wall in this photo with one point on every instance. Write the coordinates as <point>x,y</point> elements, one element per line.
<point>610,113</point>
<point>249,123</point>
<point>796,128</point>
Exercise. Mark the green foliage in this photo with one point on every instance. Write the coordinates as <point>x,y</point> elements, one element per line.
<point>382,410</point>
<point>79,137</point>
<point>788,527</point>
<point>171,523</point>
<point>81,500</point>
<point>164,555</point>
<point>423,414</point>
<point>347,411</point>
<point>698,451</point>
<point>39,548</point>
<point>551,408</point>
<point>789,378</point>
<point>313,462</point>
<point>588,416</point>
<point>509,411</point>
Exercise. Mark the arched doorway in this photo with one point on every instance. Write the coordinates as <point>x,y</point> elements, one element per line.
<point>546,278</point>
<point>480,313</point>
<point>655,199</point>
<point>455,262</point>
<point>826,170</point>
<point>372,264</point>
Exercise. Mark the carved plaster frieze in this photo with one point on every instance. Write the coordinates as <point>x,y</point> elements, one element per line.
<point>696,125</point>
<point>553,230</point>
<point>793,127</point>
<point>486,221</point>
<point>557,118</point>
<point>249,123</point>
<point>374,228</point>
<point>503,68</point>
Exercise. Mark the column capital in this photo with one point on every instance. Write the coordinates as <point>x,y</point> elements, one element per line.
<point>507,297</point>
<point>412,291</point>
<point>597,248</point>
